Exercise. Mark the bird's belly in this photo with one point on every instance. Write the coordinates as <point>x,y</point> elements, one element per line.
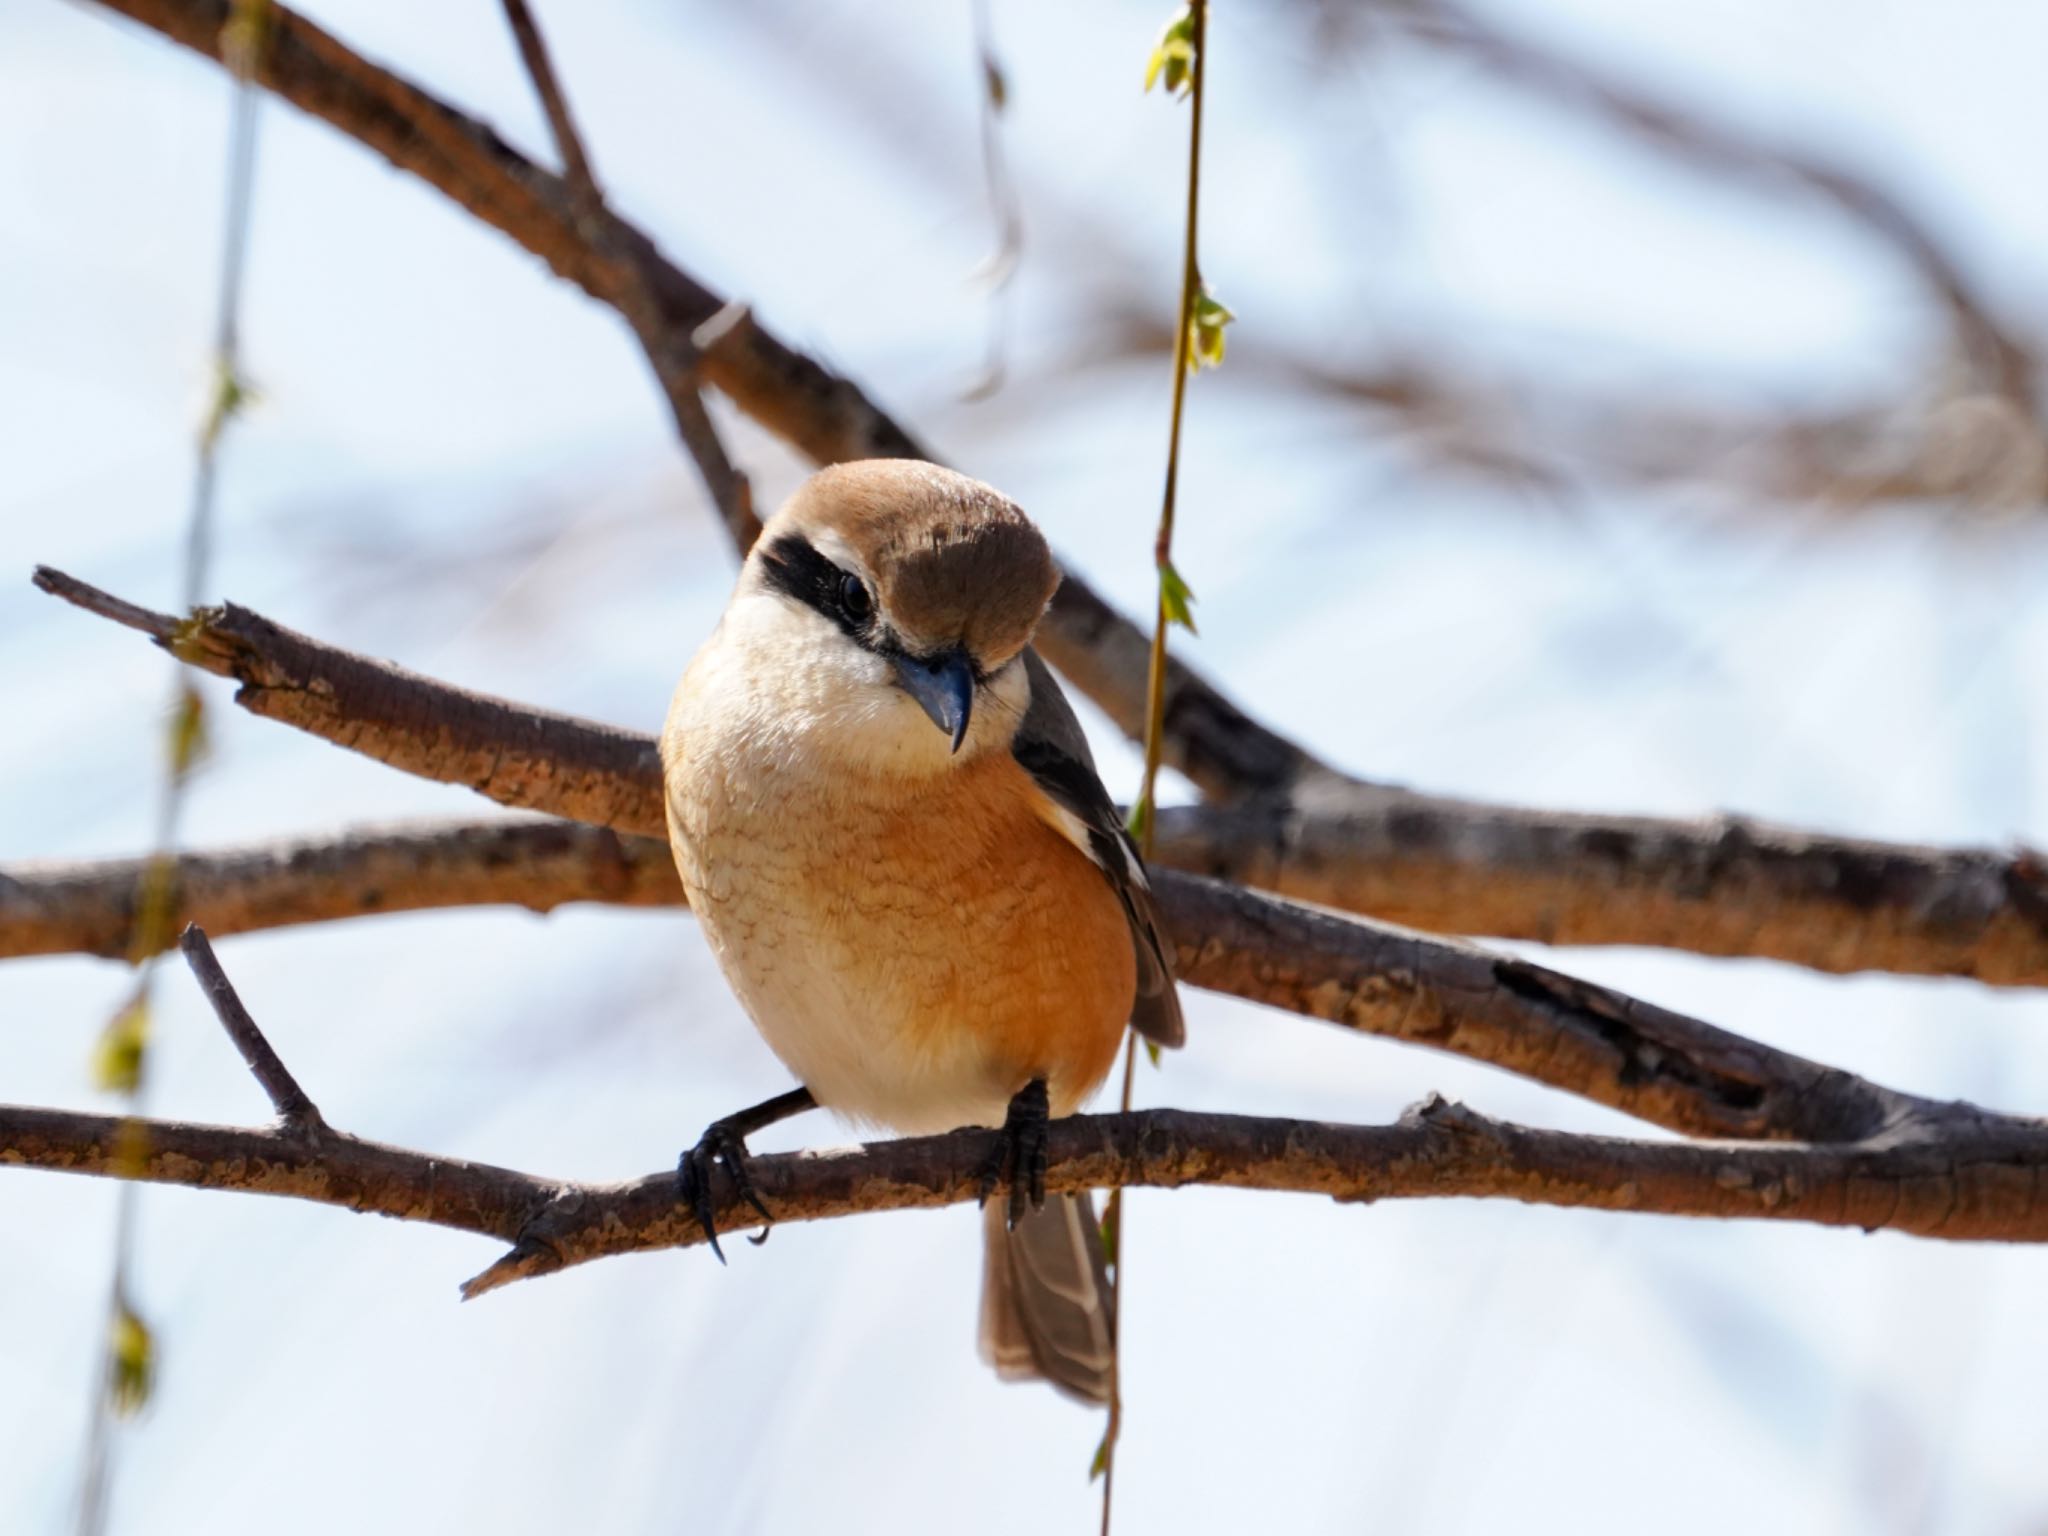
<point>913,959</point>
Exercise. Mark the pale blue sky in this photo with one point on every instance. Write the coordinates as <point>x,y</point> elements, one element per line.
<point>460,463</point>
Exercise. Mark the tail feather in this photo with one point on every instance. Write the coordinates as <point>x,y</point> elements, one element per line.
<point>1047,1310</point>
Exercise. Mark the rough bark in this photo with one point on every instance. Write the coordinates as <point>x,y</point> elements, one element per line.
<point>1723,885</point>
<point>1589,1040</point>
<point>1976,1182</point>
<point>1720,887</point>
<point>89,907</point>
<point>1659,1066</point>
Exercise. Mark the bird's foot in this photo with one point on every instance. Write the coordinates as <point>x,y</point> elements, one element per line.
<point>1019,1153</point>
<point>722,1142</point>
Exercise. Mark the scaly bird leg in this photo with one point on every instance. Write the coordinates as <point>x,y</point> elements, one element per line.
<point>1020,1151</point>
<point>725,1141</point>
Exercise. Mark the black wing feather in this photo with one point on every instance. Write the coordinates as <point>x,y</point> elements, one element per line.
<point>1051,747</point>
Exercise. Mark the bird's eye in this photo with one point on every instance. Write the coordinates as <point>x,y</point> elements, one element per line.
<point>854,597</point>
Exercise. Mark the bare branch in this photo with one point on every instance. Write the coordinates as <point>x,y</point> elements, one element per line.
<point>824,416</point>
<point>1934,438</point>
<point>1978,1180</point>
<point>1657,1065</point>
<point>1585,1039</point>
<point>672,353</point>
<point>1980,1184</point>
<point>1885,1160</point>
<point>286,1096</point>
<point>160,627</point>
<point>529,758</point>
<point>533,52</point>
<point>1719,887</point>
<point>89,907</point>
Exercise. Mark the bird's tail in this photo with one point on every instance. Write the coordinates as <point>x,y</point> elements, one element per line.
<point>1047,1310</point>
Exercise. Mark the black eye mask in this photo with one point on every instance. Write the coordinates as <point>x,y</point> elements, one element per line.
<point>794,568</point>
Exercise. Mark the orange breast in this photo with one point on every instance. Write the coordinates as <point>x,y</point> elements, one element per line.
<point>915,951</point>
<point>1049,976</point>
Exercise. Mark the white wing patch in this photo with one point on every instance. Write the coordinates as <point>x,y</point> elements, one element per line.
<point>1134,871</point>
<point>1076,831</point>
<point>1069,826</point>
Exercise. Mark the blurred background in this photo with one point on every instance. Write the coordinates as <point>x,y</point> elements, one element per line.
<point>1630,408</point>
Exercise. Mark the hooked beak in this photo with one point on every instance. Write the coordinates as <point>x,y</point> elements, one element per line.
<point>943,686</point>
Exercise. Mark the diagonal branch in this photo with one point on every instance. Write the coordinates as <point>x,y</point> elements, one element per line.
<point>675,356</point>
<point>1585,1039</point>
<point>540,68</point>
<point>1659,1066</point>
<point>1936,1170</point>
<point>532,759</point>
<point>824,416</point>
<point>1718,887</point>
<point>293,1107</point>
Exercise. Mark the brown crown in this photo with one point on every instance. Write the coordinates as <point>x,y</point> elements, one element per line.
<point>954,561</point>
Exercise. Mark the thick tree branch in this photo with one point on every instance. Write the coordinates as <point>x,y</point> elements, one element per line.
<point>1657,1065</point>
<point>1977,1181</point>
<point>89,907</point>
<point>1589,1040</point>
<point>1936,1170</point>
<point>823,415</point>
<point>1719,887</point>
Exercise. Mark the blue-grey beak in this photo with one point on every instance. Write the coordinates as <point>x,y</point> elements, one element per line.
<point>943,686</point>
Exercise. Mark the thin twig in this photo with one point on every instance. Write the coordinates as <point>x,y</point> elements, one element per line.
<point>293,1107</point>
<point>534,54</point>
<point>1156,678</point>
<point>999,272</point>
<point>1162,546</point>
<point>126,1369</point>
<point>160,627</point>
<point>671,350</point>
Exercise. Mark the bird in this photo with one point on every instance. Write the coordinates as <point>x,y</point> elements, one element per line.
<point>892,833</point>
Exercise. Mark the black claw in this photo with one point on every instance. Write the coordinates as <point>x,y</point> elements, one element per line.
<point>1020,1151</point>
<point>722,1142</point>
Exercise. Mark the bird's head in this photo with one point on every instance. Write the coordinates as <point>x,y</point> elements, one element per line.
<point>905,595</point>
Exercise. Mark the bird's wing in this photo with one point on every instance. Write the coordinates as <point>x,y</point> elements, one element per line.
<point>1053,750</point>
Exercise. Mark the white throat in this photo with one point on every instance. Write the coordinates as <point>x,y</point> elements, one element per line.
<point>795,683</point>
